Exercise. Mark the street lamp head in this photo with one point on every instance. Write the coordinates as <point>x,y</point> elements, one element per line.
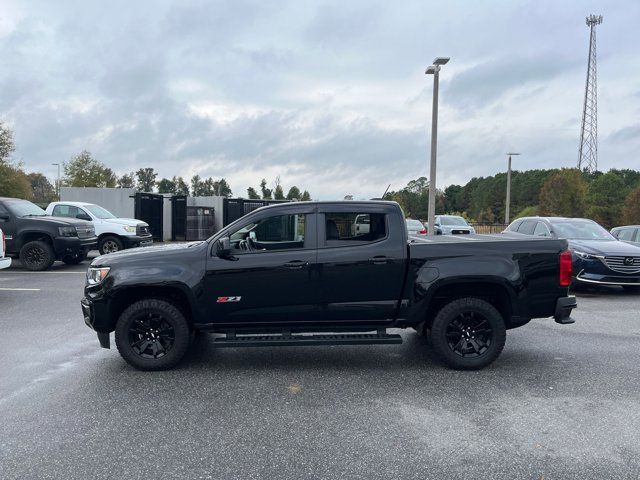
<point>431,70</point>
<point>441,60</point>
<point>512,153</point>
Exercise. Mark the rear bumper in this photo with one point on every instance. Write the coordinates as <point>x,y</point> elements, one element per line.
<point>137,241</point>
<point>5,262</point>
<point>564,306</point>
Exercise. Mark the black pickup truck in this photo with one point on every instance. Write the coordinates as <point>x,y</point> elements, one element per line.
<point>296,274</point>
<point>39,240</point>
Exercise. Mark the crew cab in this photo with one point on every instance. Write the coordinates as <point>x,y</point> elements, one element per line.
<point>5,262</point>
<point>39,240</point>
<point>295,274</point>
<point>114,233</point>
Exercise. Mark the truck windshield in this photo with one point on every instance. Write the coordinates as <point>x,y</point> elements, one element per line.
<point>99,212</point>
<point>24,208</point>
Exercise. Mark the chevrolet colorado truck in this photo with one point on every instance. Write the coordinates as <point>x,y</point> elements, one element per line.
<point>299,274</point>
<point>39,239</point>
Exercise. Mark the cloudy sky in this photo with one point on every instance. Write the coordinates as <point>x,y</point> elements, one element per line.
<point>330,96</point>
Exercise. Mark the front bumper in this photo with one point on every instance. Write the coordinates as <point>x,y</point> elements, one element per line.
<point>96,317</point>
<point>137,241</point>
<point>564,306</point>
<point>5,262</point>
<point>64,245</point>
<point>599,279</point>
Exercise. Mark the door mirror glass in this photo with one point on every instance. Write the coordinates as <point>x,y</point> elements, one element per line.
<point>223,248</point>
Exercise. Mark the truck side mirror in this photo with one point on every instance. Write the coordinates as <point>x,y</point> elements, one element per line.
<point>223,247</point>
<point>83,216</point>
<point>4,217</point>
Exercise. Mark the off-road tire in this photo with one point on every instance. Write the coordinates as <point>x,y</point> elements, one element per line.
<point>110,244</point>
<point>467,310</point>
<point>37,256</point>
<point>145,311</point>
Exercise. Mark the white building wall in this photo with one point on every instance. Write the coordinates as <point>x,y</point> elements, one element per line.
<point>118,201</point>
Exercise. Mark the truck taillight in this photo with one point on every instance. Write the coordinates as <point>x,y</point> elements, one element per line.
<point>423,231</point>
<point>566,268</point>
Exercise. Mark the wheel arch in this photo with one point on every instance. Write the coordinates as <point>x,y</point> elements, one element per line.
<point>31,236</point>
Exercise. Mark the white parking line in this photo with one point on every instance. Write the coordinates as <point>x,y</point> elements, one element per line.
<point>7,289</point>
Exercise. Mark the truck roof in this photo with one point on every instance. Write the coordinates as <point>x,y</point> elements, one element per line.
<point>77,204</point>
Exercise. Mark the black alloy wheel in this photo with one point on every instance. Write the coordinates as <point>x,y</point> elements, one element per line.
<point>152,334</point>
<point>468,333</point>
<point>37,255</point>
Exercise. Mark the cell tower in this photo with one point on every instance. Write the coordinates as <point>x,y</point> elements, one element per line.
<point>588,153</point>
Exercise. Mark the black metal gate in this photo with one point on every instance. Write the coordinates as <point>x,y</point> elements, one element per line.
<point>179,217</point>
<point>234,208</point>
<point>148,208</point>
<point>200,223</point>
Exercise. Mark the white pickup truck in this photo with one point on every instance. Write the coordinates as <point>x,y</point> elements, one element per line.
<point>114,234</point>
<point>5,262</point>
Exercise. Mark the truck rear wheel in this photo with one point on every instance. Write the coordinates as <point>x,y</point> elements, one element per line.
<point>37,255</point>
<point>152,334</point>
<point>110,244</point>
<point>468,334</point>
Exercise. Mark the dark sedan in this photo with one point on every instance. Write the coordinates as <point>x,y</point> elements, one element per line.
<point>598,257</point>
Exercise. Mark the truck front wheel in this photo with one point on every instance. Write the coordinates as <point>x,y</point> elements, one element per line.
<point>110,244</point>
<point>468,334</point>
<point>152,334</point>
<point>37,255</point>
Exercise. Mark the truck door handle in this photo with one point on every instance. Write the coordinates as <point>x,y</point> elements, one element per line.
<point>378,260</point>
<point>296,264</point>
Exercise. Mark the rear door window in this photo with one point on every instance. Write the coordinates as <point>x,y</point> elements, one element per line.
<point>352,228</point>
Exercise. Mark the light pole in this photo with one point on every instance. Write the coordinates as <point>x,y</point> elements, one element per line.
<point>435,71</point>
<point>57,181</point>
<point>506,209</point>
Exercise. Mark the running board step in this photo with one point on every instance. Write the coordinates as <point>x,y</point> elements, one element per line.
<point>305,339</point>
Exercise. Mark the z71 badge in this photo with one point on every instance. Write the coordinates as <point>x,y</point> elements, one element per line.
<point>228,299</point>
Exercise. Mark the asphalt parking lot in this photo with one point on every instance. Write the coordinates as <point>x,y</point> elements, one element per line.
<point>562,402</point>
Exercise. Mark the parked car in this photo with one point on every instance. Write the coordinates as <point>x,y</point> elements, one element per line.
<point>286,274</point>
<point>452,225</point>
<point>598,258</point>
<point>628,233</point>
<point>114,233</point>
<point>415,227</point>
<point>5,262</point>
<point>360,225</point>
<point>39,239</point>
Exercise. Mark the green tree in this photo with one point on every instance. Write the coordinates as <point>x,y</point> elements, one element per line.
<point>7,147</point>
<point>306,197</point>
<point>252,194</point>
<point>266,192</point>
<point>222,188</point>
<point>166,185</point>
<point>563,194</point>
<point>181,186</point>
<point>41,188</point>
<point>85,171</point>
<point>14,182</point>
<point>278,193</point>
<point>197,186</point>
<point>146,179</point>
<point>605,197</point>
<point>294,193</point>
<point>631,209</point>
<point>128,180</point>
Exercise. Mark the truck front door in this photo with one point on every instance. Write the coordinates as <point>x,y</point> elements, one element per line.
<point>268,276</point>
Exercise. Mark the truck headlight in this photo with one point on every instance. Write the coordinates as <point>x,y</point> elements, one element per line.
<point>68,231</point>
<point>129,229</point>
<point>95,275</point>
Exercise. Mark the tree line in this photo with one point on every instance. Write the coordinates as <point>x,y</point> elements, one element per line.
<point>611,198</point>
<point>83,170</point>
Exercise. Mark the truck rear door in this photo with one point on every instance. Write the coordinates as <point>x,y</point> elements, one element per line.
<point>360,275</point>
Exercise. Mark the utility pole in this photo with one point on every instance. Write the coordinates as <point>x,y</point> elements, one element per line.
<point>588,150</point>
<point>508,201</point>
<point>58,180</point>
<point>435,71</point>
